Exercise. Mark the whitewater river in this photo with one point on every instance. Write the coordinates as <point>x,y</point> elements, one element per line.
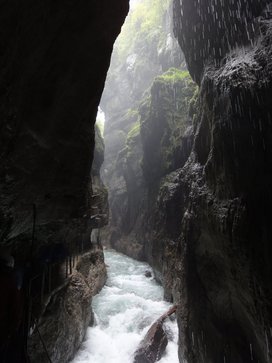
<point>124,310</point>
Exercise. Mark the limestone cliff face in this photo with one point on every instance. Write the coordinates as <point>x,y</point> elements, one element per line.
<point>152,148</point>
<point>166,130</point>
<point>140,55</point>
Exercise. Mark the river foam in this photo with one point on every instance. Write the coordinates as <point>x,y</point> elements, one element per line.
<point>124,311</point>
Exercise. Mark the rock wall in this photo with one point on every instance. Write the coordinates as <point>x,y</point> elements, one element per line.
<point>54,60</point>
<point>152,148</point>
<point>54,57</point>
<point>207,32</point>
<point>222,275</point>
<point>204,219</point>
<point>141,54</point>
<point>68,312</point>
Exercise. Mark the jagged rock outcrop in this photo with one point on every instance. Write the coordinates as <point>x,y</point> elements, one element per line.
<point>61,318</point>
<point>127,191</point>
<point>207,32</point>
<point>147,39</point>
<point>68,312</point>
<point>164,122</point>
<point>166,130</point>
<point>158,142</point>
<point>222,252</point>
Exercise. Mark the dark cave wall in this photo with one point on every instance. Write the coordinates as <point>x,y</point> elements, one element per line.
<point>54,60</point>
<point>54,56</point>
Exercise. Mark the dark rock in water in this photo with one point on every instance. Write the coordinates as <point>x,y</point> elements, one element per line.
<point>148,273</point>
<point>153,346</point>
<point>155,341</point>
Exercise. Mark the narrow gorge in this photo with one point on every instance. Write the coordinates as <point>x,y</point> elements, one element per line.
<point>136,177</point>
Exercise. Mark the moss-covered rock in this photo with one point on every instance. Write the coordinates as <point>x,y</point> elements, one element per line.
<point>164,120</point>
<point>147,39</point>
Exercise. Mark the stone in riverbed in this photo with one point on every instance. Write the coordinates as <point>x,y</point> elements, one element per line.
<point>153,345</point>
<point>148,273</point>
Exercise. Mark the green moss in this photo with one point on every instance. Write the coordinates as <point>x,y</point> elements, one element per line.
<point>174,75</point>
<point>143,24</point>
<point>164,119</point>
<point>99,143</point>
<point>131,113</point>
<point>100,124</point>
<point>134,131</point>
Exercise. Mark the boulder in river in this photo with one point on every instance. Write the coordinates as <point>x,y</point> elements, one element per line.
<point>153,345</point>
<point>155,341</point>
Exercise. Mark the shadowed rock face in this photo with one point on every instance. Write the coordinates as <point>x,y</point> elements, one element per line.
<point>54,58</point>
<point>207,30</point>
<point>222,256</point>
<point>65,320</point>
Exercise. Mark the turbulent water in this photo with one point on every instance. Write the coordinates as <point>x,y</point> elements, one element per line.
<point>124,311</point>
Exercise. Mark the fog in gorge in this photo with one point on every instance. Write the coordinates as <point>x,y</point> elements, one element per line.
<point>135,200</point>
<point>146,59</point>
<point>146,56</point>
<point>158,130</point>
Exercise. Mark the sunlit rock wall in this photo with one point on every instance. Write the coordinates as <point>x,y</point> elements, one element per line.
<point>223,270</point>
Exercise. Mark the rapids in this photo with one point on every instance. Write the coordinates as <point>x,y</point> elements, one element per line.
<point>124,310</point>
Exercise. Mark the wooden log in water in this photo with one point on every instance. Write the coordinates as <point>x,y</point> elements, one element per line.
<point>155,341</point>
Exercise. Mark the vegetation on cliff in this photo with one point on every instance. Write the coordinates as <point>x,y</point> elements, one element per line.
<point>164,120</point>
<point>145,48</point>
<point>146,101</point>
<point>143,28</point>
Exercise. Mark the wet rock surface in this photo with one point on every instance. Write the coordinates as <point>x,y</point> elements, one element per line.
<point>68,313</point>
<point>159,141</point>
<point>207,32</point>
<point>148,274</point>
<point>53,63</point>
<point>222,271</point>
<point>123,172</point>
<point>153,345</point>
<point>206,227</point>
